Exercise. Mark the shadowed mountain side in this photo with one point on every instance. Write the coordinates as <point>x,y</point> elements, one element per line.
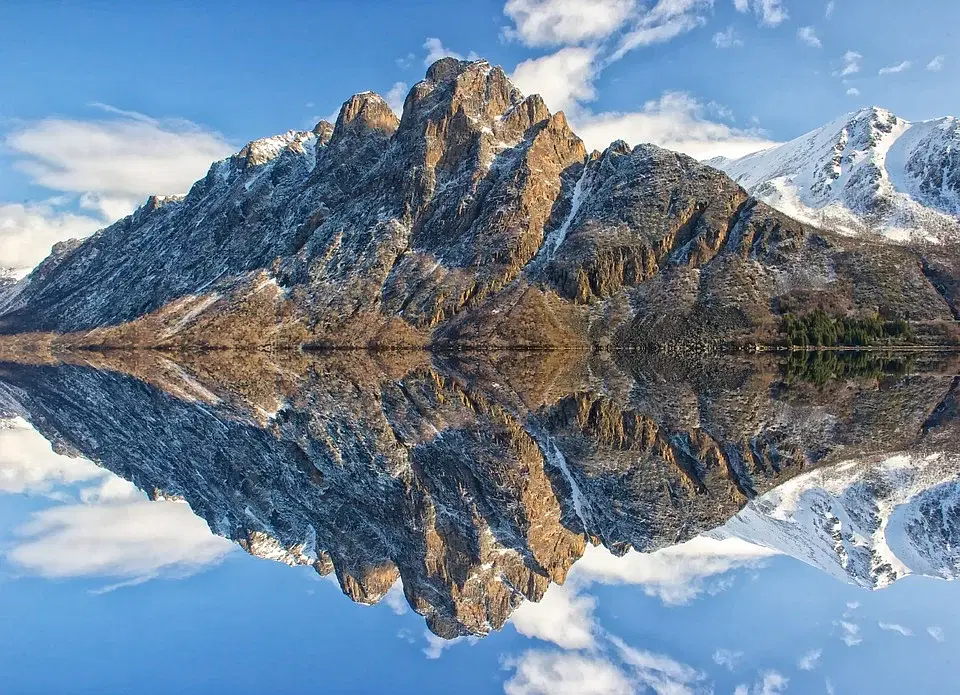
<point>476,481</point>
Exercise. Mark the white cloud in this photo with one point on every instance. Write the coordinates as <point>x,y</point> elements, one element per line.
<point>831,7</point>
<point>851,64</point>
<point>676,121</point>
<point>436,50</point>
<point>437,645</point>
<point>126,157</point>
<point>727,38</point>
<point>396,96</point>
<point>936,64</point>
<point>114,531</point>
<point>28,464</point>
<point>562,617</point>
<point>28,231</point>
<point>770,683</point>
<point>893,627</point>
<point>936,632</point>
<point>395,598</point>
<point>559,673</point>
<point>853,92</point>
<point>106,166</point>
<point>663,22</point>
<point>809,36</point>
<point>893,69</point>
<point>563,78</point>
<point>557,22</point>
<point>851,633</point>
<point>810,660</point>
<point>117,535</point>
<point>769,13</point>
<point>658,672</point>
<point>727,658</point>
<point>404,62</point>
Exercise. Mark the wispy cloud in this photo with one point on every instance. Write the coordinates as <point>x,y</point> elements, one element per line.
<point>769,13</point>
<point>727,38</point>
<point>395,97</point>
<point>853,92</point>
<point>809,36</point>
<point>810,660</point>
<point>105,165</point>
<point>676,121</point>
<point>894,627</point>
<point>851,64</point>
<point>770,683</point>
<point>435,50</point>
<point>850,633</point>
<point>830,9</point>
<point>663,22</point>
<point>936,64</point>
<point>565,22</point>
<point>894,69</point>
<point>727,658</point>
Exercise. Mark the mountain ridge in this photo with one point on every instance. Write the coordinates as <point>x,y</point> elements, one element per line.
<point>476,219</point>
<point>868,171</point>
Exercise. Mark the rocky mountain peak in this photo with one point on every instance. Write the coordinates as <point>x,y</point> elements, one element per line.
<point>324,131</point>
<point>474,91</point>
<point>362,113</point>
<point>261,151</point>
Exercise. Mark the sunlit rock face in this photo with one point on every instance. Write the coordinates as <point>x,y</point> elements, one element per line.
<point>479,481</point>
<point>477,218</point>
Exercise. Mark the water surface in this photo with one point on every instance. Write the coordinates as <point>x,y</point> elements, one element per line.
<point>520,523</point>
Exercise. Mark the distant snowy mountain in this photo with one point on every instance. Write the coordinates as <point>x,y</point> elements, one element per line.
<point>870,523</point>
<point>869,171</point>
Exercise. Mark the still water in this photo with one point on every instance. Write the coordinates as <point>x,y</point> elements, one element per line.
<point>519,523</point>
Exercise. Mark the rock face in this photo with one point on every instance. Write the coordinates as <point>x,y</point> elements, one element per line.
<point>476,219</point>
<point>476,482</point>
<point>867,172</point>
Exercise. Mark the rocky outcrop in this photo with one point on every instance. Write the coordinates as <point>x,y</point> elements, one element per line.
<point>477,219</point>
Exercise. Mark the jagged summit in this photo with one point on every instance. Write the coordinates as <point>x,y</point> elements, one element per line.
<point>869,171</point>
<point>477,218</point>
<point>363,112</point>
<point>263,150</point>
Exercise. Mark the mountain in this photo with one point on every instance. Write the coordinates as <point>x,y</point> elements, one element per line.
<point>867,522</point>
<point>478,481</point>
<point>476,219</point>
<point>867,172</point>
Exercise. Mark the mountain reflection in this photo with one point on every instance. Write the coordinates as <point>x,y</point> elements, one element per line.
<point>480,480</point>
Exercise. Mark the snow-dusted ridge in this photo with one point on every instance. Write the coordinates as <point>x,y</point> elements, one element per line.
<point>866,172</point>
<point>866,522</point>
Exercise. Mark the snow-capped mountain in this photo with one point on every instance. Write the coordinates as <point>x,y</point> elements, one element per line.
<point>867,522</point>
<point>476,219</point>
<point>869,171</point>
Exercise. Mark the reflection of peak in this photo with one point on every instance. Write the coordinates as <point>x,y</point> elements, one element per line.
<point>476,480</point>
<point>870,523</point>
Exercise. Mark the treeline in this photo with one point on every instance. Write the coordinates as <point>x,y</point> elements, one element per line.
<point>820,368</point>
<point>819,329</point>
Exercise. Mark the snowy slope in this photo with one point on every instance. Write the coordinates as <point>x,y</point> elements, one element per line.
<point>868,523</point>
<point>868,171</point>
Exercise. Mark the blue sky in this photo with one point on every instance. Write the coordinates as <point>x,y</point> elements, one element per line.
<point>102,591</point>
<point>107,102</point>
